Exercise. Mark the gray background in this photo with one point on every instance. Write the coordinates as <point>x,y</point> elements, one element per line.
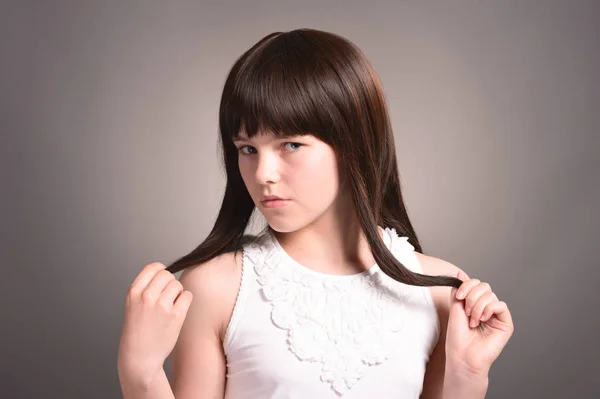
<point>108,121</point>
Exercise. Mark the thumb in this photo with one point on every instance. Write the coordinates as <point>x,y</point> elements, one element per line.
<point>461,276</point>
<point>458,304</point>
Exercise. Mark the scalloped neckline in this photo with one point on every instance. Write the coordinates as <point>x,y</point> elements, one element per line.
<point>297,265</point>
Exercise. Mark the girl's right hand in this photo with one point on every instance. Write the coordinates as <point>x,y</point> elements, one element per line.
<point>155,308</point>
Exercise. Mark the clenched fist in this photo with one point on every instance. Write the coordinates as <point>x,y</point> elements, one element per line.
<point>155,308</point>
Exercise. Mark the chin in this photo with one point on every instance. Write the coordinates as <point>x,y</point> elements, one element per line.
<point>282,227</point>
<point>284,224</point>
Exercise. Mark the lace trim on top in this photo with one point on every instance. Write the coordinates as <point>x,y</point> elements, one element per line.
<point>345,323</point>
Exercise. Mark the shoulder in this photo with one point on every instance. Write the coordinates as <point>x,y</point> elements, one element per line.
<point>433,266</point>
<point>436,266</point>
<point>215,282</point>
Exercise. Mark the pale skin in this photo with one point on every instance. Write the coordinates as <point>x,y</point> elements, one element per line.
<point>196,321</point>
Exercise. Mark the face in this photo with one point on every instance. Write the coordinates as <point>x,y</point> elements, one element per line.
<point>302,170</point>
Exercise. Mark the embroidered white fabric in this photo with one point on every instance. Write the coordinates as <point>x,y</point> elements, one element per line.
<point>346,325</point>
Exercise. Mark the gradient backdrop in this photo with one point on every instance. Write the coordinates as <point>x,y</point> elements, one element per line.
<point>108,121</point>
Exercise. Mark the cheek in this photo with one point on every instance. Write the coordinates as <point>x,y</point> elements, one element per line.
<point>317,176</point>
<point>246,173</point>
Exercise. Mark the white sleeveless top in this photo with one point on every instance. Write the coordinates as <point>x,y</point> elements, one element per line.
<point>298,333</point>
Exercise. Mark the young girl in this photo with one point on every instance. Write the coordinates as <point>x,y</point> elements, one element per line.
<point>334,298</point>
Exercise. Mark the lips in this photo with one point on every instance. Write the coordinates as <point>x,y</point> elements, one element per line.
<point>274,203</point>
<point>270,198</point>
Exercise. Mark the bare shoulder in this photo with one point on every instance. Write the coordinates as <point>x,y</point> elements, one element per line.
<point>215,282</point>
<point>198,360</point>
<point>433,266</point>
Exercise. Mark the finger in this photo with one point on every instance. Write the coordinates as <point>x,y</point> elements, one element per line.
<point>500,309</point>
<point>170,293</point>
<point>147,273</point>
<point>182,304</point>
<point>485,300</point>
<point>466,287</point>
<point>474,295</point>
<point>488,310</point>
<point>158,284</point>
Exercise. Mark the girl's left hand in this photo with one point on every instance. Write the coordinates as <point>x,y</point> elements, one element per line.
<point>472,348</point>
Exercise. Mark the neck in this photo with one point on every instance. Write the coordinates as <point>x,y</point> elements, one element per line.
<point>329,245</point>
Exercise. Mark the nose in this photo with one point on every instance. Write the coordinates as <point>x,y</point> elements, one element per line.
<point>267,169</point>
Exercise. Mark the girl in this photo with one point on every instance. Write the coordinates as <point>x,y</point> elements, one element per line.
<point>334,298</point>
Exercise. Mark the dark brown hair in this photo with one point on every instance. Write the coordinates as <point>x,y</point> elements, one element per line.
<point>307,81</point>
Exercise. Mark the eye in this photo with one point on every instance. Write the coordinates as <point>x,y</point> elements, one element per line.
<point>241,149</point>
<point>298,145</point>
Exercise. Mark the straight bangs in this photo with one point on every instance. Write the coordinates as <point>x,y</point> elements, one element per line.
<point>285,86</point>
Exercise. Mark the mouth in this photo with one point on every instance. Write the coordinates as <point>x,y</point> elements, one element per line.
<point>274,203</point>
<point>270,197</point>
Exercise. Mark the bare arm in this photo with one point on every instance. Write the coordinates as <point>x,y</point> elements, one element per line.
<point>198,360</point>
<point>158,388</point>
<point>440,382</point>
<point>434,374</point>
<point>461,386</point>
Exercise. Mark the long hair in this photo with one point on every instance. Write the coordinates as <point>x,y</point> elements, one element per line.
<point>308,81</point>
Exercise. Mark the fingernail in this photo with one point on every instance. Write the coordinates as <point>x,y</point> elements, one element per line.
<point>460,295</point>
<point>473,323</point>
